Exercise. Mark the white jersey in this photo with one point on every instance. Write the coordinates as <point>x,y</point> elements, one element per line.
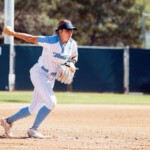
<point>54,53</point>
<point>43,73</point>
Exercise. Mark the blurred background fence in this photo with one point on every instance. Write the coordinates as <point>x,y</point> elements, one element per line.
<point>101,69</point>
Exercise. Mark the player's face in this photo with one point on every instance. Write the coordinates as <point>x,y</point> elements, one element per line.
<point>67,34</point>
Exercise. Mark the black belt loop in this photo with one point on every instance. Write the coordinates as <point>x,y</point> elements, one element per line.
<point>46,70</point>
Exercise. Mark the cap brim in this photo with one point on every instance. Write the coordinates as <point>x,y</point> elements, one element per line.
<point>67,26</point>
<point>71,28</point>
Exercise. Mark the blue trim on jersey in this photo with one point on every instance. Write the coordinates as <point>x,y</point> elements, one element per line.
<point>70,43</point>
<point>71,40</point>
<point>67,44</point>
<point>54,39</point>
<point>48,39</point>
<point>61,45</point>
<point>61,56</point>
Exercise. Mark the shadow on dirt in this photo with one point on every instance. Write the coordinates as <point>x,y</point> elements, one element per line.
<point>4,137</point>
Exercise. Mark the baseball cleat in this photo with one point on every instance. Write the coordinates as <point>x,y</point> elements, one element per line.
<point>34,134</point>
<point>7,127</point>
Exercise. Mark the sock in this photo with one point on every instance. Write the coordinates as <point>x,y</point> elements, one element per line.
<point>42,114</point>
<point>22,113</point>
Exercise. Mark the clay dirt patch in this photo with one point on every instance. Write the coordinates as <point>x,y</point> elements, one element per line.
<point>81,127</point>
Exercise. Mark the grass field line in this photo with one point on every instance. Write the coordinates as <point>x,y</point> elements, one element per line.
<point>79,98</point>
<point>71,106</point>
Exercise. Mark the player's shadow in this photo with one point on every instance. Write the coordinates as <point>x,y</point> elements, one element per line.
<point>4,137</point>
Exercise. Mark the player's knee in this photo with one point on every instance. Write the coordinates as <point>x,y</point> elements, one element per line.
<point>52,103</point>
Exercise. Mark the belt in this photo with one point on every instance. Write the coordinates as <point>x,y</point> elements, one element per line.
<point>46,70</point>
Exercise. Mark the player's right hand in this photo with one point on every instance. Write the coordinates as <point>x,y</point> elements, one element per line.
<point>8,31</point>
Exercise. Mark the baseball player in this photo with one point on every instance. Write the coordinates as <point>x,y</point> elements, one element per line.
<point>57,49</point>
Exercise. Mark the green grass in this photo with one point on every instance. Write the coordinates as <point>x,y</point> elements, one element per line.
<point>80,98</point>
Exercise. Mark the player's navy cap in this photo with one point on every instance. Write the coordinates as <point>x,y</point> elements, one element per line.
<point>67,26</point>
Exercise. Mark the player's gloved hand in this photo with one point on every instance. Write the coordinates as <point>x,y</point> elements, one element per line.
<point>66,72</point>
<point>71,66</point>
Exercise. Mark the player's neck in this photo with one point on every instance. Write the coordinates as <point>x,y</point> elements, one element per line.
<point>63,42</point>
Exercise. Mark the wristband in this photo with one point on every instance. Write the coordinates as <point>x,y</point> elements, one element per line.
<point>72,60</point>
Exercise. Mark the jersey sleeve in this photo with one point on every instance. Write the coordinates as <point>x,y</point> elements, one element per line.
<point>42,40</point>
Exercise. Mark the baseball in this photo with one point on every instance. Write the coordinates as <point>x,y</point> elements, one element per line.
<point>8,28</point>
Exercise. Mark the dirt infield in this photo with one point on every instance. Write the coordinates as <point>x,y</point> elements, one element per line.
<point>81,127</point>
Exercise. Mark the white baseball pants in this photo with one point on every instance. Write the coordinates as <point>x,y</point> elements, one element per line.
<point>43,90</point>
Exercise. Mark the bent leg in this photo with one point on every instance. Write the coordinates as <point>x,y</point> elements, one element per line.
<point>44,89</point>
<point>43,95</point>
<point>36,103</point>
<point>22,113</point>
<point>42,114</point>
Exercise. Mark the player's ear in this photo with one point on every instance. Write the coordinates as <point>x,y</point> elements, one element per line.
<point>60,31</point>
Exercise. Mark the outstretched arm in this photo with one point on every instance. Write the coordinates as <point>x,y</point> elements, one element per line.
<point>26,37</point>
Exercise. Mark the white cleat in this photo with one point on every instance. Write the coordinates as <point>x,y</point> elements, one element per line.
<point>34,134</point>
<point>7,127</point>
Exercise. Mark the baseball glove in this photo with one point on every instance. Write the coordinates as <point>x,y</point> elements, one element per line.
<point>66,73</point>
